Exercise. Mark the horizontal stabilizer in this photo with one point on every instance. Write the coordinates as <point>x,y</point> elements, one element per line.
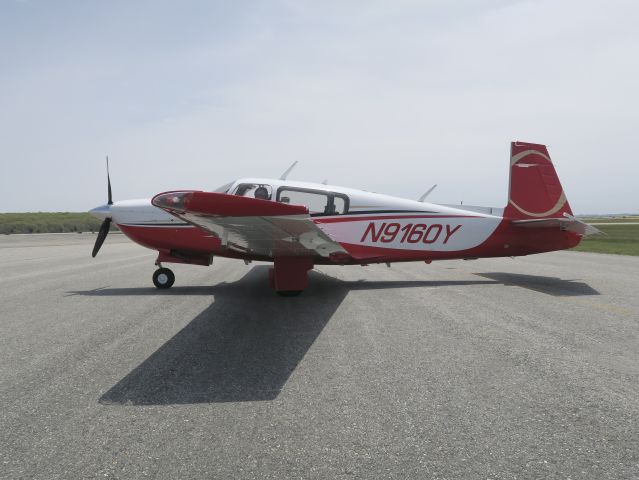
<point>568,222</point>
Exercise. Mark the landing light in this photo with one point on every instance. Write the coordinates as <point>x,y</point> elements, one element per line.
<point>176,201</point>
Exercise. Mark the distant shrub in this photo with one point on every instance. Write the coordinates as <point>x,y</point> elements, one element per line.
<point>48,222</point>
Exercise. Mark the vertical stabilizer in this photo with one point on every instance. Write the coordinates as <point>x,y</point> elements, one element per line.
<point>535,190</point>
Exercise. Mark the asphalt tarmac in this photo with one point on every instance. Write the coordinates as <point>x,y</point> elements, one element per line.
<point>495,368</point>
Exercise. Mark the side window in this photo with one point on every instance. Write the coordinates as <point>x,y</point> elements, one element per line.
<point>339,205</point>
<point>317,203</point>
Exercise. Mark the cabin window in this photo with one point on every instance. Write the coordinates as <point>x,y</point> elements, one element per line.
<point>317,202</point>
<point>254,190</point>
<point>339,205</point>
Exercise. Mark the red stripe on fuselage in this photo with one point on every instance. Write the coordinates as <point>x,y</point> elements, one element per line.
<point>355,218</point>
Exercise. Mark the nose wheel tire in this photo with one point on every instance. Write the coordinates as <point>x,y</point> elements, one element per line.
<point>163,278</point>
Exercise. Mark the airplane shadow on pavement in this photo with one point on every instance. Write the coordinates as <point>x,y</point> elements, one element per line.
<point>244,346</point>
<point>247,343</point>
<point>554,286</point>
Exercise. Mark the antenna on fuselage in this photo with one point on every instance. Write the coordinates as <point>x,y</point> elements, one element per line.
<point>423,197</point>
<point>288,170</point>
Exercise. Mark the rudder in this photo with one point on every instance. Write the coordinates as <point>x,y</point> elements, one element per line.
<point>535,190</point>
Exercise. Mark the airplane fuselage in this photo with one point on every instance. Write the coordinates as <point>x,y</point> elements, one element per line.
<point>375,229</point>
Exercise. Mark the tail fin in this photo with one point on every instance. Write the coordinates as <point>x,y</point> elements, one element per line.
<point>535,190</point>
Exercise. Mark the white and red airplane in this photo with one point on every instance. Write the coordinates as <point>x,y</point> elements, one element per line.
<point>297,225</point>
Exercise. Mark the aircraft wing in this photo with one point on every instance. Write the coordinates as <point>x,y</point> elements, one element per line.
<point>250,225</point>
<point>568,222</point>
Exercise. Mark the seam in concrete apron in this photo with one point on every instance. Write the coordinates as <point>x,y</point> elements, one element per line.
<point>93,234</point>
<point>66,245</point>
<point>106,263</point>
<point>9,264</point>
<point>604,306</point>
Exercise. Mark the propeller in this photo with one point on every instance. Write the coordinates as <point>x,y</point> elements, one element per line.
<point>110,195</point>
<point>106,224</point>
<point>102,234</point>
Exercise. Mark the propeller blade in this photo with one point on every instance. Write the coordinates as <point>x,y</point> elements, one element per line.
<point>102,234</point>
<point>110,195</point>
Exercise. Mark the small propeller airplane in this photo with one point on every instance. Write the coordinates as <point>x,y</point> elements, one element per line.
<point>297,225</point>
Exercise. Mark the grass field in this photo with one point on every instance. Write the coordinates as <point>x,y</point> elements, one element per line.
<point>48,222</point>
<point>620,219</point>
<point>618,239</point>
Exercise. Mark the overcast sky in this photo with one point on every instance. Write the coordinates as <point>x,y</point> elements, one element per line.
<point>389,96</point>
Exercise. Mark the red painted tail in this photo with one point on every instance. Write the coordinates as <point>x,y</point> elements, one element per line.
<point>535,190</point>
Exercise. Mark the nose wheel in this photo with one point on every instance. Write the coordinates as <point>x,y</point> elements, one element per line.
<point>163,278</point>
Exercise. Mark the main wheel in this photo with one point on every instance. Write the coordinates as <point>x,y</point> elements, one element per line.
<point>163,278</point>
<point>289,293</point>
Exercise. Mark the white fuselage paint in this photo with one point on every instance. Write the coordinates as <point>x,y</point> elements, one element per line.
<point>407,225</point>
<point>445,234</point>
<point>142,213</point>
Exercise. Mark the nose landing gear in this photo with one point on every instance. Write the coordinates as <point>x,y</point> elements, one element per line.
<point>163,278</point>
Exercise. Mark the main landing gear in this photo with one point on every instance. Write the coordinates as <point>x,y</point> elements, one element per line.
<point>163,278</point>
<point>289,275</point>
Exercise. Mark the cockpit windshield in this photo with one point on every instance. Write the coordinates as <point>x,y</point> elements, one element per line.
<point>224,188</point>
